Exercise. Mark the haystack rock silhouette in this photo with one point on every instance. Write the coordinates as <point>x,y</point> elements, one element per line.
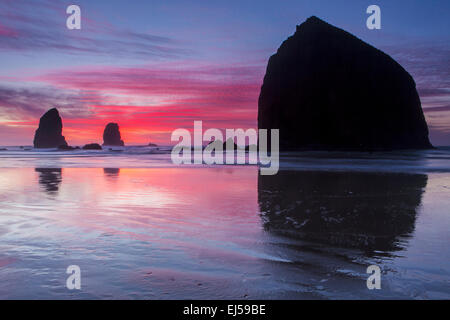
<point>111,135</point>
<point>49,132</point>
<point>326,89</point>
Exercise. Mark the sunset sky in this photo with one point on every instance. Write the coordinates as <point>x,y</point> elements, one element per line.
<point>154,66</point>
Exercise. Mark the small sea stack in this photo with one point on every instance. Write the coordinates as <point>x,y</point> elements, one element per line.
<point>224,144</point>
<point>111,135</point>
<point>92,146</point>
<point>325,89</point>
<point>65,147</point>
<point>49,132</point>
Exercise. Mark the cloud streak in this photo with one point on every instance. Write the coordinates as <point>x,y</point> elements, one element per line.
<point>24,30</point>
<point>29,103</point>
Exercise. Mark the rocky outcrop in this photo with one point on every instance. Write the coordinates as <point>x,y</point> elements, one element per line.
<point>111,135</point>
<point>65,147</point>
<point>92,146</point>
<point>224,144</point>
<point>326,89</point>
<point>49,132</point>
<point>232,143</point>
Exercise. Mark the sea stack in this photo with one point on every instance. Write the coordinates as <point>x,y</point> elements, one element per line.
<point>111,135</point>
<point>49,133</point>
<point>92,146</point>
<point>325,89</point>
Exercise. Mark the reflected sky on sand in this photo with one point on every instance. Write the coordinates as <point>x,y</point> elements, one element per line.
<point>222,232</point>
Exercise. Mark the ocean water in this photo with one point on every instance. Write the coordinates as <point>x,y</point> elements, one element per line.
<point>140,227</point>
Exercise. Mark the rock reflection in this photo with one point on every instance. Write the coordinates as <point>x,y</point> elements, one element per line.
<point>111,172</point>
<point>370,211</point>
<point>50,179</point>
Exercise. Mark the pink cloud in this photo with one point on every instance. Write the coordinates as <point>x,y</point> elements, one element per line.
<point>149,102</point>
<point>7,32</point>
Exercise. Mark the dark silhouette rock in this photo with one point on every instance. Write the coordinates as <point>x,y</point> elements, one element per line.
<point>49,133</point>
<point>65,147</point>
<point>152,145</point>
<point>92,146</point>
<point>111,135</point>
<point>224,144</point>
<point>233,144</point>
<point>326,89</point>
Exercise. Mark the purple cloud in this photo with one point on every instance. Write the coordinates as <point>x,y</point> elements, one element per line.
<point>18,104</point>
<point>24,29</point>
